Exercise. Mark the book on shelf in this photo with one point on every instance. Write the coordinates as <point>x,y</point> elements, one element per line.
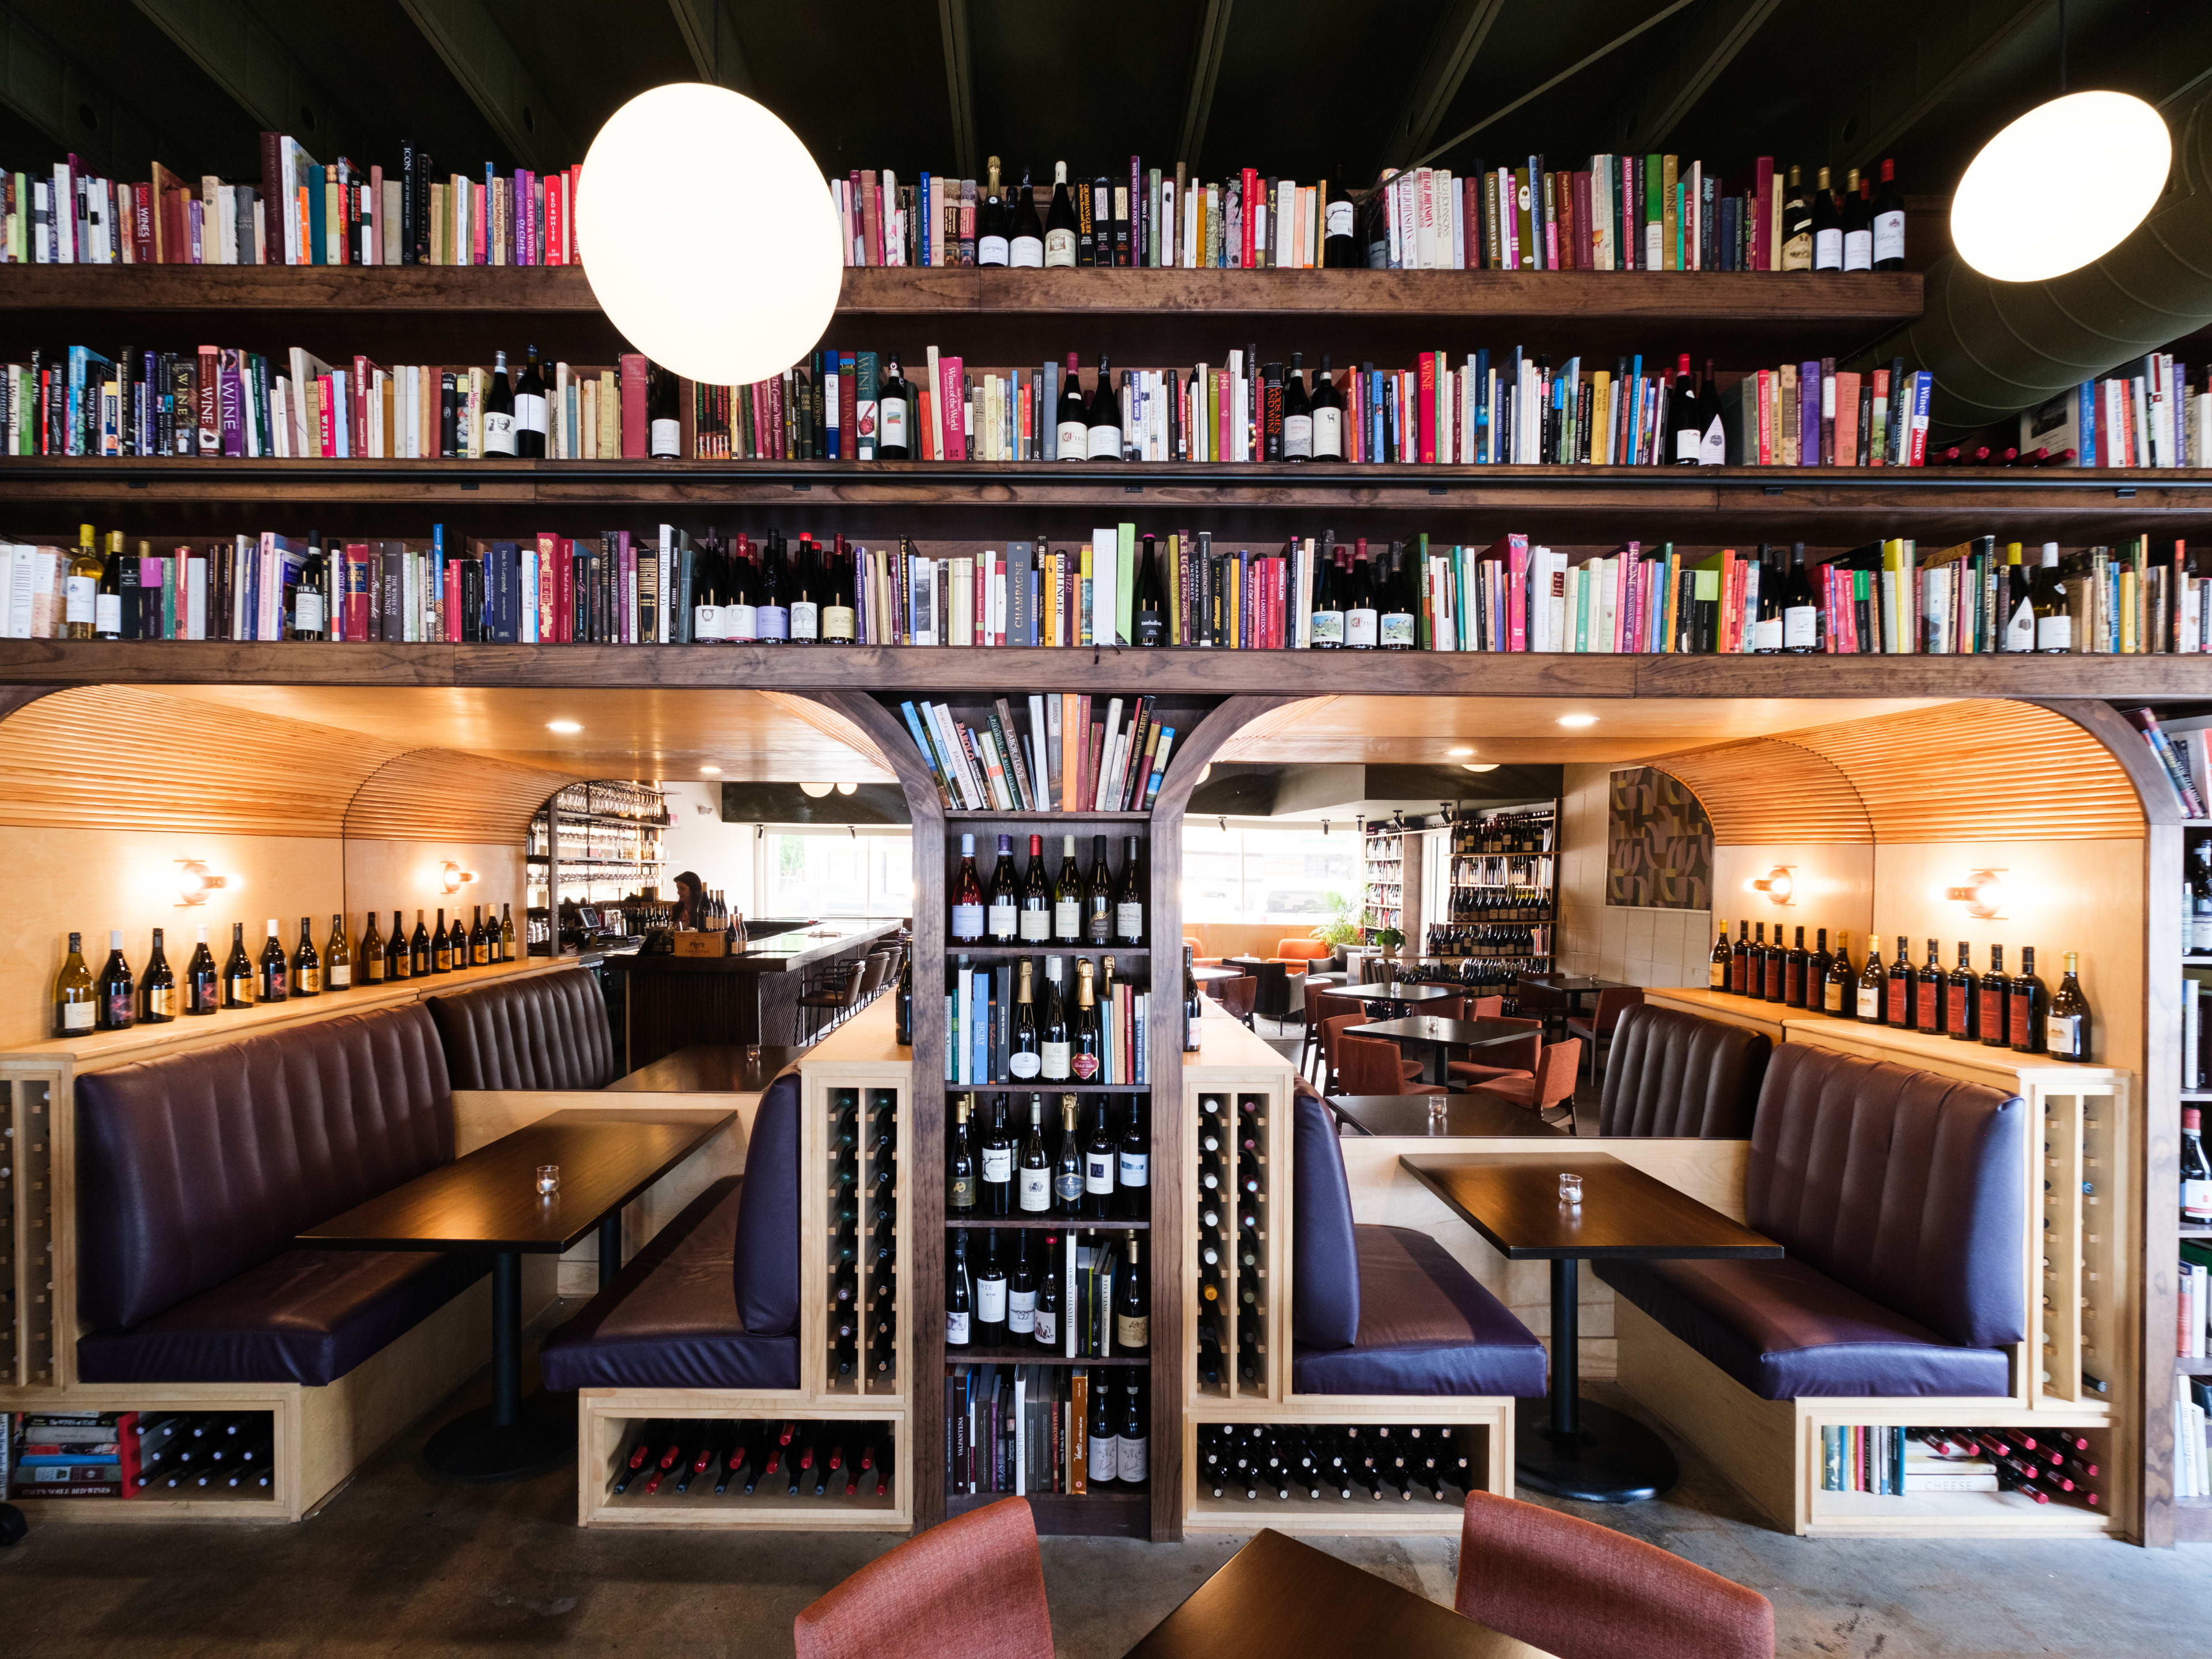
<point>981,1001</point>
<point>2146,413</point>
<point>1110,758</point>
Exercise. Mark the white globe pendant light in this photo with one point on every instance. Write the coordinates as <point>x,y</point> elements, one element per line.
<point>2061,187</point>
<point>708,233</point>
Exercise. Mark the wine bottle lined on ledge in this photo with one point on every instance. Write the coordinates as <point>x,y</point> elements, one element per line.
<point>1081,1430</point>
<point>1277,1461</point>
<point>717,1457</point>
<point>118,998</point>
<point>1996,1008</point>
<point>1081,1295</point>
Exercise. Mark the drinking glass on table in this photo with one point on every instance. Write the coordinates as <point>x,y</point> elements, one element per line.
<point>1571,1189</point>
<point>549,1180</point>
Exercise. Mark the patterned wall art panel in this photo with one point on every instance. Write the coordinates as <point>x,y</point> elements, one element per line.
<point>1658,844</point>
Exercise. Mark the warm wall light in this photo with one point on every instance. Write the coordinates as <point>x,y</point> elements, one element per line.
<point>1460,752</point>
<point>453,876</point>
<point>710,771</point>
<point>1777,883</point>
<point>1578,720</point>
<point>566,728</point>
<point>1983,894</point>
<point>195,881</point>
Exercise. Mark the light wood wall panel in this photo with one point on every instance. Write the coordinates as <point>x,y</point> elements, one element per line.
<point>1772,789</point>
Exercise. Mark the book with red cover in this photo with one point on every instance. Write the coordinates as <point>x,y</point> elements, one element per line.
<point>950,397</point>
<point>1427,385</point>
<point>633,406</point>
<point>564,600</point>
<point>1762,194</point>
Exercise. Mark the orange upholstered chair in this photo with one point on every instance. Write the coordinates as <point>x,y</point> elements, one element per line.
<point>1299,955</point>
<point>1486,1007</point>
<point>1371,1066</point>
<point>1584,1591</point>
<point>1552,1086</point>
<point>1502,1059</point>
<point>970,1588</point>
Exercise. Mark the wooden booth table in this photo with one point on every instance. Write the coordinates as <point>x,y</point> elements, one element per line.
<point>709,1068</point>
<point>1215,975</point>
<point>488,1202</point>
<point>1582,1450</point>
<point>1441,1035</point>
<point>1277,1596</point>
<point>1471,1114</point>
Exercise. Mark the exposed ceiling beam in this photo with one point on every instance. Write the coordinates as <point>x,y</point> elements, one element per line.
<point>1708,44</point>
<point>1887,106</point>
<point>959,85</point>
<point>1451,53</point>
<point>1205,68</point>
<point>463,34</point>
<point>53,90</point>
<point>710,35</point>
<point>243,56</point>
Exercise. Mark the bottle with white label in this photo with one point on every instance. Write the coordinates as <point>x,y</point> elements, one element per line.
<point>959,1295</point>
<point>2054,621</point>
<point>1022,1294</point>
<point>998,1163</point>
<point>1100,1155</point>
<point>1033,1168</point>
<point>1105,1440</point>
<point>77,1003</point>
<point>1800,611</point>
<point>1067,896</point>
<point>531,432</point>
<point>894,415</point>
<point>991,222</point>
<point>1857,216</point>
<point>1059,224</point>
<point>1129,900</point>
<point>1000,920</point>
<point>968,896</point>
<point>1025,1055</point>
<point>107,602</point>
<point>2195,1174</point>
<point>1047,1295</point>
<point>2200,903</point>
<point>1055,1048</point>
<point>1298,413</point>
<point>2067,1025</point>
<point>1762,604</point>
<point>1071,419</point>
<point>1360,617</point>
<point>1134,1439</point>
<point>81,587</point>
<point>1133,1325</point>
<point>991,1295</point>
<point>499,411</point>
<point>664,414</point>
<point>2013,586</point>
<point>1327,407</point>
<point>1025,240</point>
<point>1888,220</point>
<point>1134,1163</point>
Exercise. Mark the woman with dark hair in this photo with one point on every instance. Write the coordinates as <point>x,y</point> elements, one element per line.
<point>691,902</point>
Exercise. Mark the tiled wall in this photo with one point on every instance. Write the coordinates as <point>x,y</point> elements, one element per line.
<point>1638,947</point>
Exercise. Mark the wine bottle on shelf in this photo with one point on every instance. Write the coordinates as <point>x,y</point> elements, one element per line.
<point>1100,1154</point>
<point>530,427</point>
<point>157,992</point>
<point>2027,1009</point>
<point>1325,627</point>
<point>1797,224</point>
<point>2047,594</point>
<point>1297,412</point>
<point>441,946</point>
<point>1717,972</point>
<point>1036,919</point>
<point>1072,418</point>
<point>1795,965</point>
<point>1766,621</point>
<point>1818,967</point>
<point>1685,417</point>
<point>1928,995</point>
<point>238,971</point>
<point>77,996</point>
<point>1712,448</point>
<point>960,1170</point>
<point>1024,1056</point>
<point>1033,1169</point>
<point>1099,898</point>
<point>664,413</point>
<point>968,896</point>
<point>80,590</point>
<point>1133,1164</point>
<point>2195,1174</point>
<point>1086,1059</point>
<point>1067,1164</point>
<point>996,1164</point>
<point>1133,1325</point>
<point>1962,999</point>
<point>272,979</point>
<point>1361,629</point>
<point>1839,992</point>
<point>1025,240</point>
<point>1327,411</point>
<point>306,964</point>
<point>1056,1047</point>
<point>1104,1440</point>
<point>1193,1009</point>
<point>999,922</point>
<point>1887,216</point>
<point>991,238</point>
<point>1129,902</point>
<point>506,950</point>
<point>419,956</point>
<point>1856,219</point>
<point>1827,226</point>
<point>479,941</point>
<point>1897,997</point>
<point>894,421</point>
<point>498,422</point>
<point>990,1295</point>
<point>1400,602</point>
<point>338,958</point>
<point>1022,1294</point>
<point>1995,997</point>
<point>1740,961</point>
<point>1800,609</point>
<point>2067,1026</point>
<point>1778,964</point>
<point>1102,432</point>
<point>959,1295</point>
<point>1132,1443</point>
<point>202,982</point>
<point>1060,227</point>
<point>399,954</point>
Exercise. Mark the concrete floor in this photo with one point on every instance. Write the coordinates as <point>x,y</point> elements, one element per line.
<point>403,1564</point>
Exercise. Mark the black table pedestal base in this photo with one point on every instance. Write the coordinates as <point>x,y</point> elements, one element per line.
<point>1610,1458</point>
<point>473,1447</point>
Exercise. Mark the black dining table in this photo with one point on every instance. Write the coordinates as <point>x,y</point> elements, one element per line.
<point>1441,1035</point>
<point>1393,998</point>
<point>486,1202</point>
<point>1476,1116</point>
<point>1574,987</point>
<point>1580,1448</point>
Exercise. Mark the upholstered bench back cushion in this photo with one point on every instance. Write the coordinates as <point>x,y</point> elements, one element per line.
<point>767,1281</point>
<point>1324,1255</point>
<point>1673,1073</point>
<point>1905,1186</point>
<point>542,1031</point>
<point>193,1168</point>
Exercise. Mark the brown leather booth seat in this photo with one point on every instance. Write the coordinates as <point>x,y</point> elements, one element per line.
<point>1669,1073</point>
<point>196,1171</point>
<point>1897,1196</point>
<point>544,1032</point>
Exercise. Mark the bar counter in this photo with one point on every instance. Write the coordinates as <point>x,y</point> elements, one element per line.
<point>676,1002</point>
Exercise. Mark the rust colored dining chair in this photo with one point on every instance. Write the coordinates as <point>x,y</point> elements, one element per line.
<point>1371,1066</point>
<point>1486,1007</point>
<point>1332,1038</point>
<point>1551,1086</point>
<point>1516,1059</point>
<point>1544,1003</point>
<point>1237,995</point>
<point>972,1587</point>
<point>1582,1591</point>
<point>1598,1028</point>
<point>1328,1007</point>
<point>1309,1045</point>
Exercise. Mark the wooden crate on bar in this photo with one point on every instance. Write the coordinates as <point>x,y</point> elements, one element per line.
<point>860,1061</point>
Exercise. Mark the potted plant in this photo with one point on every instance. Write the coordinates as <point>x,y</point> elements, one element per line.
<point>1385,940</point>
<point>1340,929</point>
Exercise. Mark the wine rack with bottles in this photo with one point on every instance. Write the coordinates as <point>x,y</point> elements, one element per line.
<point>1499,915</point>
<point>1348,1464</point>
<point>28,1337</point>
<point>1238,1269</point>
<point>595,841</point>
<point>678,1461</point>
<point>1384,877</point>
<point>862,1355</point>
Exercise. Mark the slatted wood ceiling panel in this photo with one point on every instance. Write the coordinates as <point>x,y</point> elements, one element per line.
<point>1982,770</point>
<point>1770,790</point>
<point>120,757</point>
<point>1967,771</point>
<point>442,795</point>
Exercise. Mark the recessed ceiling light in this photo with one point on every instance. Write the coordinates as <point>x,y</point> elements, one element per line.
<point>1578,720</point>
<point>1478,766</point>
<point>566,728</point>
<point>1463,749</point>
<point>711,771</point>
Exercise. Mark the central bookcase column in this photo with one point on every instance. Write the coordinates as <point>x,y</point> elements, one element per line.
<point>1203,724</point>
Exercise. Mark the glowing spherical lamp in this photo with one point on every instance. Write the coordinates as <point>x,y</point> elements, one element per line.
<point>709,234</point>
<point>2061,187</point>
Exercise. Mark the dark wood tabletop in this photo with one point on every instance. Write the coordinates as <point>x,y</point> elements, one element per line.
<point>1463,1114</point>
<point>1401,991</point>
<point>1449,1033</point>
<point>1512,1198</point>
<point>489,1199</point>
<point>707,1068</point>
<point>1277,1596</point>
<point>1577,983</point>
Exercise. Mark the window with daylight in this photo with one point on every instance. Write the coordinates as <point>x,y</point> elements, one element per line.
<point>833,872</point>
<point>1296,874</point>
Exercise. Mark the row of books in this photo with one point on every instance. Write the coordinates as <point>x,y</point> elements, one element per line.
<point>2184,753</point>
<point>2146,413</point>
<point>68,1453</point>
<point>2192,1458</point>
<point>1081,754</point>
<point>981,1004</point>
<point>301,213</point>
<point>2193,1301</point>
<point>1025,1430</point>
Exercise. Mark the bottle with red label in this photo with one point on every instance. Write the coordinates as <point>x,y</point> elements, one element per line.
<point>2026,1007</point>
<point>1928,996</point>
<point>1996,991</point>
<point>1897,992</point>
<point>1962,1000</point>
